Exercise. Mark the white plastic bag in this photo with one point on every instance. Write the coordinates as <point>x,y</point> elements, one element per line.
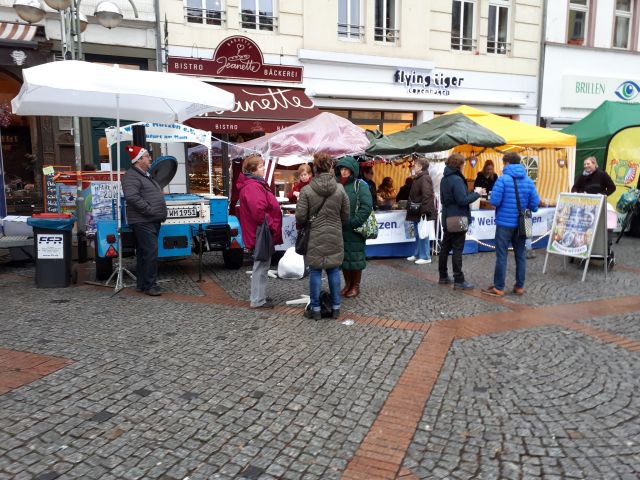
<point>291,265</point>
<point>423,228</point>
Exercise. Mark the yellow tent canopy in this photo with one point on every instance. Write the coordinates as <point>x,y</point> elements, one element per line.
<point>516,134</point>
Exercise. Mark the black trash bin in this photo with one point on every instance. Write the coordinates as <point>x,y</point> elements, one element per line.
<point>52,236</point>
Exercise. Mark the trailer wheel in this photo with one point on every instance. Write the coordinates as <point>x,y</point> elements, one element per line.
<point>104,267</point>
<point>233,258</point>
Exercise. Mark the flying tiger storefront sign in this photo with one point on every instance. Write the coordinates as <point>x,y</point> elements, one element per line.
<point>259,107</point>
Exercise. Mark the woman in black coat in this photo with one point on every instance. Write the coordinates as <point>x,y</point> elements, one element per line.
<point>422,194</point>
<point>593,180</point>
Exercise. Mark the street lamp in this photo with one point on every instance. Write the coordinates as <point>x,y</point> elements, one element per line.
<point>72,24</point>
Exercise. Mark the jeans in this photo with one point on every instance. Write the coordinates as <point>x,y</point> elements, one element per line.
<point>455,242</point>
<point>259,283</point>
<point>146,236</point>
<point>315,282</point>
<point>423,251</point>
<point>504,238</point>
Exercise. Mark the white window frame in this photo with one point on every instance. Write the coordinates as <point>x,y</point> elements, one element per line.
<point>500,48</point>
<point>459,44</point>
<point>384,33</point>
<point>258,26</point>
<point>349,31</point>
<point>623,14</point>
<point>579,8</point>
<point>204,15</point>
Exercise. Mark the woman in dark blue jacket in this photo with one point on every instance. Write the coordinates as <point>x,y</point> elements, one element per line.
<point>455,200</point>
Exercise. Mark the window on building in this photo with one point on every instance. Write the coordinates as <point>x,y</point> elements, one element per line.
<point>386,21</point>
<point>622,25</point>
<point>577,25</point>
<point>462,21</point>
<point>498,32</point>
<point>258,15</point>
<point>530,164</point>
<point>386,122</point>
<point>210,12</point>
<point>349,25</point>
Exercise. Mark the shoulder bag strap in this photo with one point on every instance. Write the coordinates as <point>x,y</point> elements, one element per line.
<point>515,186</point>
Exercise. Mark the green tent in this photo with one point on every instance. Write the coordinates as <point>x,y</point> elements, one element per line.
<point>436,135</point>
<point>594,132</point>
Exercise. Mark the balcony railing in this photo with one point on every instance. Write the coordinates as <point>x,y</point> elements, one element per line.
<point>467,44</point>
<point>386,35</point>
<point>500,48</point>
<point>202,15</point>
<point>259,21</point>
<point>347,30</point>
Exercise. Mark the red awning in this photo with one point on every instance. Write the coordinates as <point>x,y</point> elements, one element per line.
<point>258,109</point>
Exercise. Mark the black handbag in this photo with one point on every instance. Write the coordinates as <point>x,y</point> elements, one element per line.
<point>264,248</point>
<point>326,304</point>
<point>302,240</point>
<point>525,217</point>
<point>413,208</point>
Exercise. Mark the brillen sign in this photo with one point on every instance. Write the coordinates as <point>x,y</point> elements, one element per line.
<point>235,57</point>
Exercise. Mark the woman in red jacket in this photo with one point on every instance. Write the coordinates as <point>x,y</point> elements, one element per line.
<point>256,203</point>
<point>304,177</point>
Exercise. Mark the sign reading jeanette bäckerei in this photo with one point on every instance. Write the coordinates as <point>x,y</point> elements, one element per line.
<point>590,92</point>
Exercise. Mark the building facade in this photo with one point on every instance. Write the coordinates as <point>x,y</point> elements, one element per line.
<point>30,143</point>
<point>591,54</point>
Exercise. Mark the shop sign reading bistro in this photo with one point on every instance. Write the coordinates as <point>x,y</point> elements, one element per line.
<point>235,57</point>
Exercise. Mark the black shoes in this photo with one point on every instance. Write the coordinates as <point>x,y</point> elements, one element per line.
<point>267,304</point>
<point>335,313</point>
<point>445,281</point>
<point>312,314</point>
<point>462,286</point>
<point>153,292</point>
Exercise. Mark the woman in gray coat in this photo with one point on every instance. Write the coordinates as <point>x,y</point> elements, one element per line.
<point>326,203</point>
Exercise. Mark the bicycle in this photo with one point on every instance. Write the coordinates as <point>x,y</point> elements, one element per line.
<point>626,222</point>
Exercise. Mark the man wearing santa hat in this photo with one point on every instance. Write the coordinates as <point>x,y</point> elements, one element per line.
<point>146,210</point>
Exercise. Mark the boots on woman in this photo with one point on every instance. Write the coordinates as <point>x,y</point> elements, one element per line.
<point>347,281</point>
<point>356,275</point>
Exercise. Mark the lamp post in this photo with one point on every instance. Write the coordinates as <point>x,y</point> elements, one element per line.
<point>72,24</point>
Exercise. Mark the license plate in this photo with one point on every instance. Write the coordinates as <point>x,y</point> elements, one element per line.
<point>183,212</point>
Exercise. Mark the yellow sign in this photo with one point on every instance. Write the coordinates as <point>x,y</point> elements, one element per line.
<point>623,161</point>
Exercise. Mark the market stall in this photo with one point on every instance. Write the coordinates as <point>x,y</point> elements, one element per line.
<point>611,133</point>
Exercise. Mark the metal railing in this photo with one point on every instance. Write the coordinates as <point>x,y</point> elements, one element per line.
<point>348,30</point>
<point>205,16</point>
<point>500,48</point>
<point>466,44</point>
<point>259,21</point>
<point>386,35</point>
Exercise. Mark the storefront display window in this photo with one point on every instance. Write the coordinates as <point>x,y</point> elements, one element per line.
<point>462,21</point>
<point>258,15</point>
<point>577,27</point>
<point>210,12</point>
<point>622,27</point>
<point>386,122</point>
<point>498,35</point>
<point>349,24</point>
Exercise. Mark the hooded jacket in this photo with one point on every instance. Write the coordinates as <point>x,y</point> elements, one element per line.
<point>326,247</point>
<point>256,202</point>
<point>454,196</point>
<point>503,195</point>
<point>359,196</point>
<point>144,198</point>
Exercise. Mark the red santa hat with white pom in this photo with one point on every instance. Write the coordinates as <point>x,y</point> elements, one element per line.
<point>135,152</point>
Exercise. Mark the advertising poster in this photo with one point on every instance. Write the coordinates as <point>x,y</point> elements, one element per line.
<point>623,161</point>
<point>103,195</point>
<point>575,224</point>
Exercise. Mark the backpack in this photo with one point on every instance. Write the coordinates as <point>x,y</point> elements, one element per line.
<point>627,200</point>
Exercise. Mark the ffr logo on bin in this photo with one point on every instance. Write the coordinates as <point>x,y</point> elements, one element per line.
<point>50,240</point>
<point>50,246</point>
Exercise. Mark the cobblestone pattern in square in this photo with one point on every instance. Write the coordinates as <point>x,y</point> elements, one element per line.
<point>627,326</point>
<point>169,390</point>
<point>541,404</point>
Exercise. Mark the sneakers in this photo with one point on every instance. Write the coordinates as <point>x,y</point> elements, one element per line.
<point>518,290</point>
<point>312,314</point>
<point>422,261</point>
<point>412,258</point>
<point>462,286</point>
<point>445,281</point>
<point>267,304</point>
<point>530,254</point>
<point>494,291</point>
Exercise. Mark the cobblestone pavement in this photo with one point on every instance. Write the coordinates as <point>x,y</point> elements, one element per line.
<point>427,382</point>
